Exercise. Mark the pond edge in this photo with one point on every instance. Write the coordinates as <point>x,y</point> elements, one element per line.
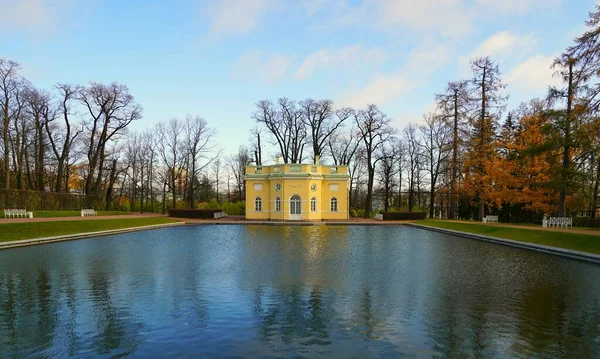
<point>579,255</point>
<point>71,237</point>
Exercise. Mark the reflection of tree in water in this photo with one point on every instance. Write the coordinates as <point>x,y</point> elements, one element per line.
<point>8,316</point>
<point>28,311</point>
<point>71,321</point>
<point>317,322</point>
<point>47,314</point>
<point>292,316</point>
<point>113,332</point>
<point>366,316</point>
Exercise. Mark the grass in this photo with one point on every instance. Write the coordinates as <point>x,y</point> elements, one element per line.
<point>47,214</point>
<point>54,214</point>
<point>576,241</point>
<point>31,230</point>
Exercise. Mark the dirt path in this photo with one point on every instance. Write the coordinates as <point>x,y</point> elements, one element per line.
<point>536,228</point>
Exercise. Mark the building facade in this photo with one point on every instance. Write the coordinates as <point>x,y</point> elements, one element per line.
<point>285,192</point>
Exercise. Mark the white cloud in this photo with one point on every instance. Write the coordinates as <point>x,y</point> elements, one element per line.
<point>502,45</point>
<point>532,75</point>
<point>516,6</point>
<point>258,66</point>
<point>420,66</point>
<point>33,15</point>
<point>234,17</point>
<point>351,57</point>
<point>445,17</point>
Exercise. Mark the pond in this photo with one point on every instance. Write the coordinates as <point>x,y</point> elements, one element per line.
<point>276,291</point>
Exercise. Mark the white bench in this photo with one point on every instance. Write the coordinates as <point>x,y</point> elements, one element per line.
<point>17,213</point>
<point>379,217</point>
<point>558,222</point>
<point>88,212</point>
<point>218,215</point>
<point>490,219</point>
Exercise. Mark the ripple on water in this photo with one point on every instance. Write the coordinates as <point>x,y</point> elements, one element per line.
<point>267,291</point>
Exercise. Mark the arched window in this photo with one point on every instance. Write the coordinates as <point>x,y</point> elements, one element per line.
<point>258,204</point>
<point>334,204</point>
<point>313,204</point>
<point>295,205</point>
<point>277,204</point>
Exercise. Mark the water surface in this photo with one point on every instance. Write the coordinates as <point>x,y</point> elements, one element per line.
<point>269,291</point>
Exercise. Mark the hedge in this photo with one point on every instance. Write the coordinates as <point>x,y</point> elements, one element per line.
<point>586,222</point>
<point>46,201</point>
<point>403,216</point>
<point>194,213</point>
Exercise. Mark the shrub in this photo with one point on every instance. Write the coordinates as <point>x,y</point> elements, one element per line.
<point>234,208</point>
<point>358,213</point>
<point>193,213</point>
<point>403,216</point>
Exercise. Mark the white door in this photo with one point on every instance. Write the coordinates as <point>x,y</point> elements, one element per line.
<point>295,208</point>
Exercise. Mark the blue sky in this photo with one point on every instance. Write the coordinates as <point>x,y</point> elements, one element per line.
<point>217,58</point>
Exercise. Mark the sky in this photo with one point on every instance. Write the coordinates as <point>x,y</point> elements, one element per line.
<point>217,58</point>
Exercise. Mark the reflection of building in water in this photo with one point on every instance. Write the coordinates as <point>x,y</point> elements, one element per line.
<point>297,192</point>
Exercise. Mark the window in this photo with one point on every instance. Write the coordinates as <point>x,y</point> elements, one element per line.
<point>313,204</point>
<point>258,204</point>
<point>334,204</point>
<point>277,204</point>
<point>258,186</point>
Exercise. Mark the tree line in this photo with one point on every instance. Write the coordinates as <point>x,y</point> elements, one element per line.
<point>468,157</point>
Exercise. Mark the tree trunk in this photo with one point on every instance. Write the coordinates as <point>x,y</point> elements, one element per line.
<point>5,126</point>
<point>566,162</point>
<point>111,183</point>
<point>453,189</point>
<point>596,190</point>
<point>368,204</point>
<point>432,199</point>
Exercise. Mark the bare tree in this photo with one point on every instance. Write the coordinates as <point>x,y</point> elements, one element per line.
<point>322,122</point>
<point>65,110</point>
<point>284,121</point>
<point>413,152</point>
<point>21,133</point>
<point>237,164</point>
<point>111,108</point>
<point>436,147</point>
<point>388,169</point>
<point>343,147</point>
<point>374,130</point>
<point>217,171</point>
<point>199,146</point>
<point>454,104</point>
<point>255,140</point>
<point>172,151</point>
<point>9,73</point>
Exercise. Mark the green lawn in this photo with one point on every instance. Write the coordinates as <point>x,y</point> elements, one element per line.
<point>580,242</point>
<point>31,230</point>
<point>46,214</point>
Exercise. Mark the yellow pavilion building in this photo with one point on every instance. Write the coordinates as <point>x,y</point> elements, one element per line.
<point>294,192</point>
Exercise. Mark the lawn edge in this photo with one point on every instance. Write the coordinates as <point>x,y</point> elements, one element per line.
<point>75,236</point>
<point>571,253</point>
